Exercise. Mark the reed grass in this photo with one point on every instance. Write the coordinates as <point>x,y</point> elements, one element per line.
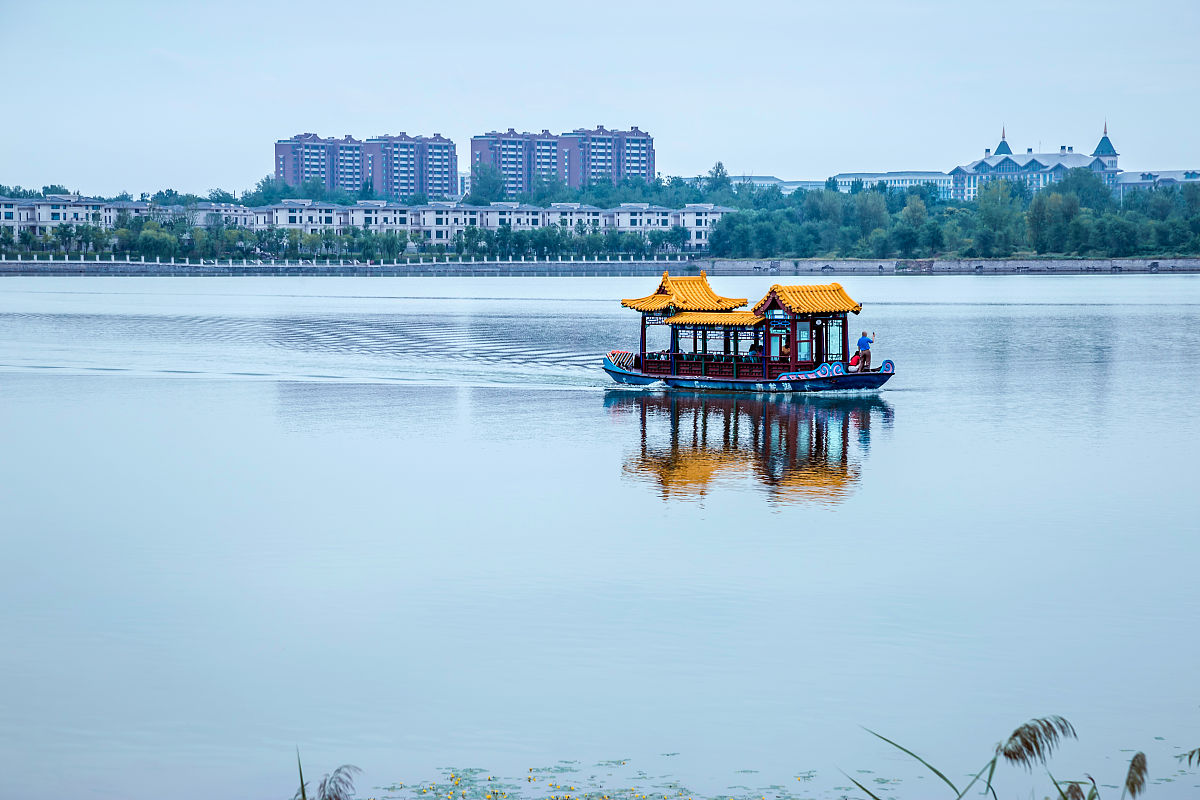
<point>1135,779</point>
<point>336,785</point>
<point>1033,744</point>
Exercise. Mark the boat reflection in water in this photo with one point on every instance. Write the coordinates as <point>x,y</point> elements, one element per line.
<point>797,449</point>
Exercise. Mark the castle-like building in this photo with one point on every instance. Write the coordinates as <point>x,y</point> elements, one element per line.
<point>1035,169</point>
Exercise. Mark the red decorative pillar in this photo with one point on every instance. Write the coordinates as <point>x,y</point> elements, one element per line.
<point>643,350</point>
<point>793,348</point>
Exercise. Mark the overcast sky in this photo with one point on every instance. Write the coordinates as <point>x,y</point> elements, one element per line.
<point>114,96</point>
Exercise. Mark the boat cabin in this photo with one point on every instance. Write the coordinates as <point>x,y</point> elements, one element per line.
<point>793,328</point>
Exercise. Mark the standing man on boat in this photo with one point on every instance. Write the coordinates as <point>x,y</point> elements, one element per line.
<point>864,351</point>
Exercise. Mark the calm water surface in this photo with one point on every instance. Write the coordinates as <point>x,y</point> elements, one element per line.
<point>410,524</point>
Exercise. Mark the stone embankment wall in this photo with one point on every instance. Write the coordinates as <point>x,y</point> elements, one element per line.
<point>1059,266</point>
<point>808,268</point>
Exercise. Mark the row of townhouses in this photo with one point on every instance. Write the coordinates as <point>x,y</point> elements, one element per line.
<point>401,166</point>
<point>1036,169</point>
<point>437,222</point>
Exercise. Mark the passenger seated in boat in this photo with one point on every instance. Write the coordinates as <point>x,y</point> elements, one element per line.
<point>755,351</point>
<point>852,364</point>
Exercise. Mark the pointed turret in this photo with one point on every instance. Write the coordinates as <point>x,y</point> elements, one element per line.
<point>1003,149</point>
<point>1105,147</point>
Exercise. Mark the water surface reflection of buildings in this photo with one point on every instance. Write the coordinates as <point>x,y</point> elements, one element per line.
<point>795,449</point>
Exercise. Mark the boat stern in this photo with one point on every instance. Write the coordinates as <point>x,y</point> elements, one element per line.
<point>619,365</point>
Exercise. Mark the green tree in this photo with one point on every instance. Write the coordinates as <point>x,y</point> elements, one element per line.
<point>65,234</point>
<point>487,185</point>
<point>718,180</point>
<point>1000,214</point>
<point>1089,187</point>
<point>914,212</point>
<point>872,212</point>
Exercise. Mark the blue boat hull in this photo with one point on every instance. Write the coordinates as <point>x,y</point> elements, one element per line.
<point>631,377</point>
<point>825,378</point>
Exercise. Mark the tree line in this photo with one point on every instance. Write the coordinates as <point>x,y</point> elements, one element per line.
<point>1077,216</point>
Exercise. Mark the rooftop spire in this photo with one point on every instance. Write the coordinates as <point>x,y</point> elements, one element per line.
<point>1003,149</point>
<point>1105,146</point>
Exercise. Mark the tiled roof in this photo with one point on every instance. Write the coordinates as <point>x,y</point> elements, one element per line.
<point>1046,160</point>
<point>722,319</point>
<point>820,299</point>
<point>684,293</point>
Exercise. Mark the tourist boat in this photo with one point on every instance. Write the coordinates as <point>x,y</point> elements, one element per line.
<point>798,335</point>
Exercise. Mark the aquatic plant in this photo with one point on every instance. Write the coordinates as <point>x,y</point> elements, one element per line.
<point>337,785</point>
<point>1135,779</point>
<point>1032,744</point>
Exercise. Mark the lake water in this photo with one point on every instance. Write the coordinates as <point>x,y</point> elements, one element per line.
<point>411,525</point>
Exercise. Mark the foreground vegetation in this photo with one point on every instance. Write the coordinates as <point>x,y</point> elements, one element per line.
<point>1077,216</point>
<point>1030,746</point>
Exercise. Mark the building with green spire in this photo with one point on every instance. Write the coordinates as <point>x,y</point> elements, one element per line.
<point>1035,169</point>
<point>1003,149</point>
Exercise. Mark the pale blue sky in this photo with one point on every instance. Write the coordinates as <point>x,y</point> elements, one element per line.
<point>139,96</point>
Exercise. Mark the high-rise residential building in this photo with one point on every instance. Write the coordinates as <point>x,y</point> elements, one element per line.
<point>606,155</point>
<point>401,166</point>
<point>576,158</point>
<point>337,163</point>
<point>393,166</point>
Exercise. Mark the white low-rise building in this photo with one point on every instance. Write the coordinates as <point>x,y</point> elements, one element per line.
<point>437,222</point>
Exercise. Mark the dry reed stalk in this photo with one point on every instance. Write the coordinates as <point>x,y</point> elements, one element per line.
<point>1135,779</point>
<point>1033,742</point>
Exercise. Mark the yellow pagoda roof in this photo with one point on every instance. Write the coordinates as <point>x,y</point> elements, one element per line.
<point>819,299</point>
<point>723,319</point>
<point>684,293</point>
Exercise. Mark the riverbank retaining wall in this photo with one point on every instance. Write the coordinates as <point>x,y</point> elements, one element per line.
<point>817,268</point>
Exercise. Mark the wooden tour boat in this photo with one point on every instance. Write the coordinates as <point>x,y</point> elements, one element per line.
<point>798,335</point>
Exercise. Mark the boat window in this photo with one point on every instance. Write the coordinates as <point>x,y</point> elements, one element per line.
<point>803,341</point>
<point>833,341</point>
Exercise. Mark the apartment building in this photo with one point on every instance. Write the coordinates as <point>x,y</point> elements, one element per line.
<point>436,222</point>
<point>336,163</point>
<point>572,215</point>
<point>698,219</point>
<point>42,215</point>
<point>896,181</point>
<point>401,166</point>
<point>576,158</point>
<point>306,216</point>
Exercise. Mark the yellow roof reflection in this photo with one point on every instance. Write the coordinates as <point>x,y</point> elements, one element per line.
<point>693,470</point>
<point>684,293</point>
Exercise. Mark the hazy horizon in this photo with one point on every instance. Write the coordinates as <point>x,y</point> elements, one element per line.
<point>139,96</point>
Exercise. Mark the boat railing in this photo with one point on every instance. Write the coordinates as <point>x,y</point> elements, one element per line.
<point>716,365</point>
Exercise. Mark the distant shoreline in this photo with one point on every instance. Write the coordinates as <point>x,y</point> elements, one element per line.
<point>600,268</point>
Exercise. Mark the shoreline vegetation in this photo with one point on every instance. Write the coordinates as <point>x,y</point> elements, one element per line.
<point>1077,216</point>
<point>1028,748</point>
<point>817,270</point>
